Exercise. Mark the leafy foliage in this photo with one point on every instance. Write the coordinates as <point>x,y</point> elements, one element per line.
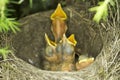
<point>4,52</point>
<point>101,10</point>
<point>7,24</point>
<point>31,3</point>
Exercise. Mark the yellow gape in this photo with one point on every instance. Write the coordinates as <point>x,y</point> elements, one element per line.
<point>59,13</point>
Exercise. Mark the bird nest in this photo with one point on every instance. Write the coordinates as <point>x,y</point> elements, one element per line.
<point>99,41</point>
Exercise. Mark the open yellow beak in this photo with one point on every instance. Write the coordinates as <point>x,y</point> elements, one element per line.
<point>49,42</point>
<point>89,60</point>
<point>58,13</point>
<point>72,39</point>
<point>84,63</point>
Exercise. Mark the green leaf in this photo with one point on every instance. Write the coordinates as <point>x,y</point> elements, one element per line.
<point>8,24</point>
<point>101,12</point>
<point>20,1</point>
<point>31,3</point>
<point>13,25</point>
<point>3,2</point>
<point>4,52</point>
<point>100,3</point>
<point>112,3</point>
<point>93,9</point>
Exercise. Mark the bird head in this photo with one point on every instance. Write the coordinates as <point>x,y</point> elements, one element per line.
<point>50,50</point>
<point>59,26</point>
<point>83,62</point>
<point>68,48</point>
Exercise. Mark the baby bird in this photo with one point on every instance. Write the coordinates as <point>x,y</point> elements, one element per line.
<point>50,55</point>
<point>58,26</point>
<point>68,56</point>
<point>53,55</point>
<point>67,66</point>
<point>68,48</point>
<point>60,55</point>
<point>83,62</point>
<point>50,50</point>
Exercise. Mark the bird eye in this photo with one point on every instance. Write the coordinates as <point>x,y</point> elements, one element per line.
<point>49,51</point>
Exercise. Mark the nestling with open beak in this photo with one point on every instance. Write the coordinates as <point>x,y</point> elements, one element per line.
<point>68,45</point>
<point>58,26</point>
<point>60,54</point>
<point>83,62</point>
